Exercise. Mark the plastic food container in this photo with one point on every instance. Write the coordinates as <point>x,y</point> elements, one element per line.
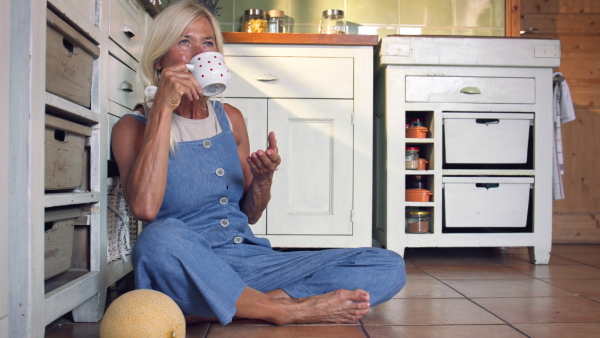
<point>418,195</point>
<point>423,164</point>
<point>416,132</point>
<point>417,221</point>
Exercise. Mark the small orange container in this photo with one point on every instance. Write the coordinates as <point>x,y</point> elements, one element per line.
<point>418,195</point>
<point>422,164</point>
<point>416,132</point>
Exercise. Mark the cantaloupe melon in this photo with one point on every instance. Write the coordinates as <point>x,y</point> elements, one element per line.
<point>144,314</point>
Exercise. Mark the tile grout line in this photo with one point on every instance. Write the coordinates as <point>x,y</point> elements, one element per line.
<point>557,286</point>
<point>472,301</point>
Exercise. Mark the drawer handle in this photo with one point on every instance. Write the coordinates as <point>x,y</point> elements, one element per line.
<point>267,77</point>
<point>487,121</point>
<point>470,90</point>
<point>487,185</point>
<point>127,87</point>
<point>61,136</point>
<point>127,30</point>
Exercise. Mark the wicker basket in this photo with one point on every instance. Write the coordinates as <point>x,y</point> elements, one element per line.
<point>122,225</point>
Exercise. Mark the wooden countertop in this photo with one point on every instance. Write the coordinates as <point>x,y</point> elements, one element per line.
<point>301,39</point>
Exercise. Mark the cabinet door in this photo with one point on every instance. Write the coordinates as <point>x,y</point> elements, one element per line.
<point>312,190</point>
<point>255,115</point>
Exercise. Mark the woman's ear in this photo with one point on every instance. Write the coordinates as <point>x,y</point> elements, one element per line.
<point>158,66</point>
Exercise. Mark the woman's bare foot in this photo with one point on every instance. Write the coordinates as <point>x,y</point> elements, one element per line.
<point>341,306</point>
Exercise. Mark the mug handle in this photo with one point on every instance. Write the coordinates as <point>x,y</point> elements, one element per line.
<point>190,67</point>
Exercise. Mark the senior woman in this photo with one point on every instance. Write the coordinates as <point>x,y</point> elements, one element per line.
<point>186,169</point>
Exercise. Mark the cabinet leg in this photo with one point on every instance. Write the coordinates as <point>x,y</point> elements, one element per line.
<point>539,254</point>
<point>92,310</point>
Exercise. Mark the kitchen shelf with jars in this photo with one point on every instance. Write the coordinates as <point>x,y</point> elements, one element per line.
<point>481,122</point>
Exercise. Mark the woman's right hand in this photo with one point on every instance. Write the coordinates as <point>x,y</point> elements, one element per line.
<point>176,84</point>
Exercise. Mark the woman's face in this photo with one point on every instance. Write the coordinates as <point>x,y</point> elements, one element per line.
<point>197,38</point>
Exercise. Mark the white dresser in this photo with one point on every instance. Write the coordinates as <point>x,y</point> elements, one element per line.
<point>79,77</point>
<point>318,100</point>
<point>487,107</point>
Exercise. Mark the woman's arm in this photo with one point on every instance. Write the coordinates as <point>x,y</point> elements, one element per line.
<point>258,167</point>
<point>142,152</point>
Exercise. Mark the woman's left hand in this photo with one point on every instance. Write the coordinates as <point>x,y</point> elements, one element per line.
<point>264,163</point>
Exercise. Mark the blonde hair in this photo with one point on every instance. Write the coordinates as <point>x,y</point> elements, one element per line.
<point>167,28</point>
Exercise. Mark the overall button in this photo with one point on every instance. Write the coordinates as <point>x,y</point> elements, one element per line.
<point>224,200</point>
<point>220,172</point>
<point>238,239</point>
<point>206,143</point>
<point>224,222</point>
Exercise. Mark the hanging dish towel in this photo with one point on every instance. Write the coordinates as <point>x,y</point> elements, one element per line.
<point>563,112</point>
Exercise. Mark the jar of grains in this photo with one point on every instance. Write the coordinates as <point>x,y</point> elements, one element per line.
<point>417,221</point>
<point>412,158</point>
<point>255,21</point>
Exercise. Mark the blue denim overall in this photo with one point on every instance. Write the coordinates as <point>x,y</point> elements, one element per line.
<point>201,251</point>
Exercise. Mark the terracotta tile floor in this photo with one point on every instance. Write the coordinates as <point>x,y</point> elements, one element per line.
<point>473,292</point>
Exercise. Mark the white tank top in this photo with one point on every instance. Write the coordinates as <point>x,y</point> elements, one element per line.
<point>185,129</point>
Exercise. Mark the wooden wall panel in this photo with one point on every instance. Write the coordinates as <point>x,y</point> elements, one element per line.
<point>576,23</point>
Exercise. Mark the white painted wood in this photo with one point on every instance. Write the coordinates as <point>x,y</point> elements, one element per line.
<point>85,12</point>
<point>255,116</point>
<point>455,58</point>
<point>127,25</point>
<point>122,84</point>
<point>490,202</point>
<point>459,51</point>
<point>70,109</point>
<point>293,77</point>
<point>5,25</point>
<point>355,229</point>
<point>26,167</point>
<point>314,186</point>
<point>469,89</point>
<point>486,137</point>
<point>64,199</point>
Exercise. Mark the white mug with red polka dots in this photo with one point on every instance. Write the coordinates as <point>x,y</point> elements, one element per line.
<point>210,71</point>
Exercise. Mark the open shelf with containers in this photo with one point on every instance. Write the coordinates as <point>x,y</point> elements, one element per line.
<point>489,141</point>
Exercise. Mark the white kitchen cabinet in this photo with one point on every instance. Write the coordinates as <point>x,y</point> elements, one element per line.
<point>83,27</point>
<point>487,104</point>
<point>318,101</point>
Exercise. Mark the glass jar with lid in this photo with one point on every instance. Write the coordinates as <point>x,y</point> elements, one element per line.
<point>417,221</point>
<point>412,158</point>
<point>333,21</point>
<point>275,21</point>
<point>255,21</point>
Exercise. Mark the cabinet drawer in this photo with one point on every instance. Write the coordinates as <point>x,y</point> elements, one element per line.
<point>58,240</point>
<point>486,202</point>
<point>122,84</point>
<point>126,26</point>
<point>486,137</point>
<point>290,77</point>
<point>470,89</point>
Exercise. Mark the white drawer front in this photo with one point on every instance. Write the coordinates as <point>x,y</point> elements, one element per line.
<point>470,89</point>
<point>486,137</point>
<point>486,202</point>
<point>123,87</point>
<point>290,77</point>
<point>126,26</point>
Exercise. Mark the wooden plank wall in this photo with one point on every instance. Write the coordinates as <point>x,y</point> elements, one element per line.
<point>576,23</point>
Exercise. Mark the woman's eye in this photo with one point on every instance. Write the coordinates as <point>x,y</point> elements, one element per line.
<point>208,44</point>
<point>184,42</point>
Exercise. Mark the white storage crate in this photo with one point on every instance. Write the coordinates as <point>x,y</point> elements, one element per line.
<point>486,202</point>
<point>486,137</point>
